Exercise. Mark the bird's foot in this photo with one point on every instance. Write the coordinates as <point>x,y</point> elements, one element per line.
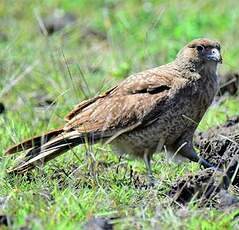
<point>205,164</point>
<point>151,181</point>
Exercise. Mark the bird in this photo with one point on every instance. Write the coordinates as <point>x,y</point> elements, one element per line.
<point>156,110</point>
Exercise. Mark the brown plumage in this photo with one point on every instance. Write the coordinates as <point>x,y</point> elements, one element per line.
<point>156,108</point>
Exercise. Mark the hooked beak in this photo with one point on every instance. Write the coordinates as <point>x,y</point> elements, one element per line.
<point>214,55</point>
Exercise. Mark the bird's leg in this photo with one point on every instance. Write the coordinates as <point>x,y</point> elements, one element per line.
<point>186,149</point>
<point>147,161</point>
<point>117,168</point>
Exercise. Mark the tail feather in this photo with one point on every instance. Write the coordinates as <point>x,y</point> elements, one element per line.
<point>34,142</point>
<point>39,155</point>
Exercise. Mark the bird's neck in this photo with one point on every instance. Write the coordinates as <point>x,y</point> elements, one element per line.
<point>210,68</point>
<point>196,69</point>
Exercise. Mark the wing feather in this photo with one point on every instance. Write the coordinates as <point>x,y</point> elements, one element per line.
<point>79,107</point>
<point>128,105</point>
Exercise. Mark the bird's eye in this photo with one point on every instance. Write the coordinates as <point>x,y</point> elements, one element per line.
<point>200,48</point>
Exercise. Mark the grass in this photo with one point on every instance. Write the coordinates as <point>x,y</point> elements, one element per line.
<point>72,65</point>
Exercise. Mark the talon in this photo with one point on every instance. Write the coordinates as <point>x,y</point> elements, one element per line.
<point>204,163</point>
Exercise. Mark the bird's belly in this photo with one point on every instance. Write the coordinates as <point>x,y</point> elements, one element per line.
<point>149,139</point>
<point>138,143</point>
<point>163,132</point>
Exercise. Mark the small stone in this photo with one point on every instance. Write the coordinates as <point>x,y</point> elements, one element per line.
<point>2,108</point>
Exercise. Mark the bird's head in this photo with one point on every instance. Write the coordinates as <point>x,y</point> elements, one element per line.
<point>201,53</point>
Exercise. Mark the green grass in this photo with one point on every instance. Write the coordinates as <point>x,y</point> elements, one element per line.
<point>139,35</point>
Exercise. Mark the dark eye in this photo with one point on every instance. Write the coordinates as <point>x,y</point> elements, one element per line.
<point>200,48</point>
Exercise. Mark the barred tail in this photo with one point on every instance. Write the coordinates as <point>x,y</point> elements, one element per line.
<point>39,154</point>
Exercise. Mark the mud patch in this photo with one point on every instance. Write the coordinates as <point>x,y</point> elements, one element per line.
<point>220,146</point>
<point>200,187</point>
<point>43,101</point>
<point>57,21</point>
<point>89,32</point>
<point>99,223</point>
<point>229,84</point>
<point>209,187</point>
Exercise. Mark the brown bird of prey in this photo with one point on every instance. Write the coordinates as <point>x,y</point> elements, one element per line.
<point>154,109</point>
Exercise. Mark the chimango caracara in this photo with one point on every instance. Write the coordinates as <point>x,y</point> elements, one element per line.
<point>156,109</point>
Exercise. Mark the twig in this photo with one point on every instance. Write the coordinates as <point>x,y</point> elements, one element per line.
<point>15,79</point>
